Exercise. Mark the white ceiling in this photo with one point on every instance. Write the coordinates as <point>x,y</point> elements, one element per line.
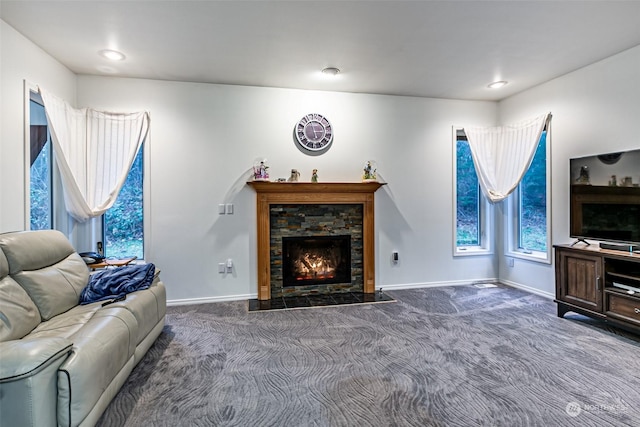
<point>441,49</point>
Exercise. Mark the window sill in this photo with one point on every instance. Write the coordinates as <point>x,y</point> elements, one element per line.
<point>535,256</point>
<point>471,251</point>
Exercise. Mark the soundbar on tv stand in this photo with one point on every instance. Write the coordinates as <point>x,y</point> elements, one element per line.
<point>620,247</point>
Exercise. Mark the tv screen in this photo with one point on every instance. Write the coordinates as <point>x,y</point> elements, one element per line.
<point>619,222</point>
<point>605,197</point>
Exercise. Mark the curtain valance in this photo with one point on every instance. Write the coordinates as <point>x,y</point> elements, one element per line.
<point>502,154</point>
<point>94,151</point>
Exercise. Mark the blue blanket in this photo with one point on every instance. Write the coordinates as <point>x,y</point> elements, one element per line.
<point>117,282</point>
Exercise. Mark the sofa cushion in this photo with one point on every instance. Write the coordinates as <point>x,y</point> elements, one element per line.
<point>18,313</point>
<point>148,306</point>
<point>66,324</point>
<point>46,265</point>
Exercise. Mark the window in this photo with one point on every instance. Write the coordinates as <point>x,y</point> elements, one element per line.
<point>40,172</point>
<point>529,210</point>
<point>472,210</point>
<point>123,223</point>
<point>121,228</point>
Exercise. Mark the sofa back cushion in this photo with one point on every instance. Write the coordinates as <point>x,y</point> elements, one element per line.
<point>18,314</point>
<point>45,264</point>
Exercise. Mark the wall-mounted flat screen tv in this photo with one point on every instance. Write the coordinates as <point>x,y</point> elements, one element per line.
<point>605,198</point>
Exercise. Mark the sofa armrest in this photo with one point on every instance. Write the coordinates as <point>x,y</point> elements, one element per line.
<point>27,357</point>
<point>29,381</point>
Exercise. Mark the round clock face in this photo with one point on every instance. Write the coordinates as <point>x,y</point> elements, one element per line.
<point>314,132</point>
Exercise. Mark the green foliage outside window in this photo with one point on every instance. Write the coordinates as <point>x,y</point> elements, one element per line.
<point>467,197</point>
<point>124,222</point>
<point>40,190</point>
<point>533,202</point>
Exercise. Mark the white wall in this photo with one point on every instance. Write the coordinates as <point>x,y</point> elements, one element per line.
<point>594,111</point>
<point>21,60</point>
<point>205,137</point>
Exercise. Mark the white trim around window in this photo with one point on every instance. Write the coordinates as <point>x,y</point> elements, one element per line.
<point>485,210</point>
<point>511,219</point>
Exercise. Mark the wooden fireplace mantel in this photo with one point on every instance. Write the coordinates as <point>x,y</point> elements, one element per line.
<point>269,193</point>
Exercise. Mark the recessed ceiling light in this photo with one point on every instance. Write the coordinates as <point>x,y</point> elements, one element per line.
<point>113,55</point>
<point>496,85</point>
<point>331,71</point>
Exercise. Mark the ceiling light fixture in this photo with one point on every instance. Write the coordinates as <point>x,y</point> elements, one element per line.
<point>331,71</point>
<point>113,55</point>
<point>498,84</point>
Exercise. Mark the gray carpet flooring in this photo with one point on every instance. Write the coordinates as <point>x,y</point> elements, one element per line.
<point>450,356</point>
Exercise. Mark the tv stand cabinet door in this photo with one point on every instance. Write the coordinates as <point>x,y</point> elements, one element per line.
<point>579,279</point>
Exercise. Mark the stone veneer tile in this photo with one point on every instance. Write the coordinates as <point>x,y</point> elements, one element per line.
<point>316,220</point>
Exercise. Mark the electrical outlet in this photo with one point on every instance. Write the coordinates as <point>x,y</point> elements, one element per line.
<point>510,262</point>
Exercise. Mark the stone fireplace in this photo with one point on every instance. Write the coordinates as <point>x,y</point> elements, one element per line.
<point>308,232</point>
<point>315,249</point>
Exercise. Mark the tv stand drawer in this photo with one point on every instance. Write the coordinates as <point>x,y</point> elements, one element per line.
<point>624,308</point>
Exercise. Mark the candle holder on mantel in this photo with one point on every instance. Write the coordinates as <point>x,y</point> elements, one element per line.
<point>260,170</point>
<point>370,172</point>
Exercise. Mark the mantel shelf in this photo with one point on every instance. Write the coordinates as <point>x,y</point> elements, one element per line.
<point>315,187</point>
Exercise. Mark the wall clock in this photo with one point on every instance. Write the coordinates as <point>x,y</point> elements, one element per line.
<point>314,132</point>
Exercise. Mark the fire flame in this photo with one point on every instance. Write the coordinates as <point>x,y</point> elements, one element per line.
<point>313,266</point>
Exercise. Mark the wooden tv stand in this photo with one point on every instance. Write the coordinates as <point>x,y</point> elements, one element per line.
<point>595,282</point>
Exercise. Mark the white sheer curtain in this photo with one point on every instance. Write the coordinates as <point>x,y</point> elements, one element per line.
<point>502,154</point>
<point>94,151</point>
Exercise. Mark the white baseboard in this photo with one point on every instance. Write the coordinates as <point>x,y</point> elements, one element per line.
<point>206,300</point>
<point>435,284</point>
<point>528,289</point>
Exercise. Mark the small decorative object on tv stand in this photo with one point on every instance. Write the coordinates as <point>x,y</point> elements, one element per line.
<point>583,179</point>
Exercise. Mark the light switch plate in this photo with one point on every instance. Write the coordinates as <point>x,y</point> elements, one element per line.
<point>221,209</point>
<point>229,208</point>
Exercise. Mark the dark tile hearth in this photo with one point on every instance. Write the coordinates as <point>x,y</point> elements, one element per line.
<point>283,303</point>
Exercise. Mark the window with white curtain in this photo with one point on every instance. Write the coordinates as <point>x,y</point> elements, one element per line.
<point>120,230</point>
<point>472,211</point>
<point>528,210</point>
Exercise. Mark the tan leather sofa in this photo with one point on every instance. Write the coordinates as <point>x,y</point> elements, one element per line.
<point>62,363</point>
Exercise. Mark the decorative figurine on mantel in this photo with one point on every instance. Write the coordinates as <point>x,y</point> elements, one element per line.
<point>370,172</point>
<point>295,175</point>
<point>314,175</point>
<point>260,171</point>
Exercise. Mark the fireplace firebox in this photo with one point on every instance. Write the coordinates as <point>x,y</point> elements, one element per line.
<point>316,260</point>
